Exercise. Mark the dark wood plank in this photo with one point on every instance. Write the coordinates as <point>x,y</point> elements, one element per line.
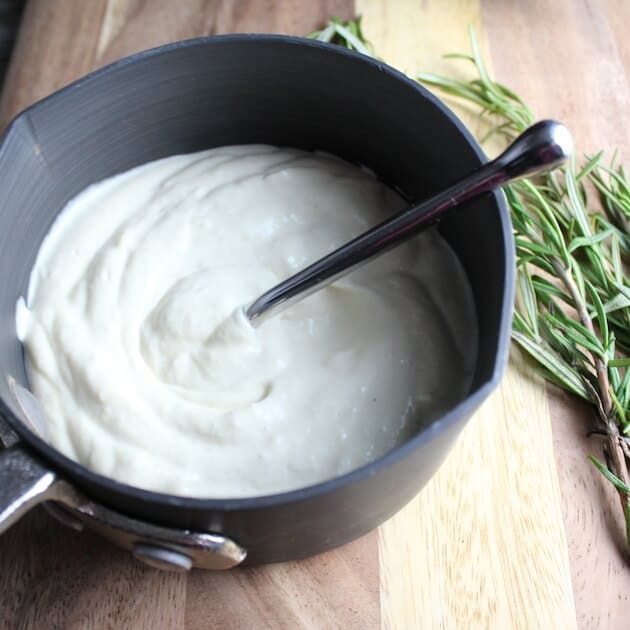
<point>139,24</point>
<point>61,40</point>
<point>56,44</point>
<point>52,577</point>
<point>339,589</point>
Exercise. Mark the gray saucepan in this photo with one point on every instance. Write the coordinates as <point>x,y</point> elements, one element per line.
<point>194,95</point>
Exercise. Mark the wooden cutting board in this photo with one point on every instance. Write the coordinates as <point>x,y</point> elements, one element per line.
<point>516,530</point>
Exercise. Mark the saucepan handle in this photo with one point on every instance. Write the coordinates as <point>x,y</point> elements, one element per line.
<point>24,482</point>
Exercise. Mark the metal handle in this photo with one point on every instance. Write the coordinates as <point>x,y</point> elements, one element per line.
<point>24,482</point>
<point>542,147</point>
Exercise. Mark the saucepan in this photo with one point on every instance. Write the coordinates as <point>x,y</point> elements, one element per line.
<point>209,92</point>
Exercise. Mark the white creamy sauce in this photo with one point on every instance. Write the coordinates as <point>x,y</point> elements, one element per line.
<point>147,372</point>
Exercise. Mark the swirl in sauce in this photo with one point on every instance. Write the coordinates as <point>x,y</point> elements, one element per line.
<point>148,373</point>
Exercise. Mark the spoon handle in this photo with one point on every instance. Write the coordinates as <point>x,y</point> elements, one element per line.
<point>543,147</point>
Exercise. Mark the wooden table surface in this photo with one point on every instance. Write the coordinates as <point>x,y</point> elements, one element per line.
<point>516,530</point>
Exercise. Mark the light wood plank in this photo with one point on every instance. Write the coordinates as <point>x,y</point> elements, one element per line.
<point>483,545</point>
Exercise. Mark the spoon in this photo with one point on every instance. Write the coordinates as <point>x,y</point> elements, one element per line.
<point>542,147</point>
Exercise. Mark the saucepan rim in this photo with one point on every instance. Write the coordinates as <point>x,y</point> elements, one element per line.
<point>78,472</point>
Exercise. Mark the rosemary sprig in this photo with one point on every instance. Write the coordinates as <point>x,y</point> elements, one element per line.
<point>571,230</point>
<point>348,34</point>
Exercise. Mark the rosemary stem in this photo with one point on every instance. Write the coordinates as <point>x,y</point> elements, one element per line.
<point>580,306</point>
<point>617,451</point>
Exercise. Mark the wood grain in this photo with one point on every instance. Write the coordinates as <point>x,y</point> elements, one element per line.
<point>338,589</point>
<point>484,544</point>
<point>56,45</point>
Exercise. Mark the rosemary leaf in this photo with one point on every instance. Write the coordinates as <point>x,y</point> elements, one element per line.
<point>557,367</point>
<point>618,483</point>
